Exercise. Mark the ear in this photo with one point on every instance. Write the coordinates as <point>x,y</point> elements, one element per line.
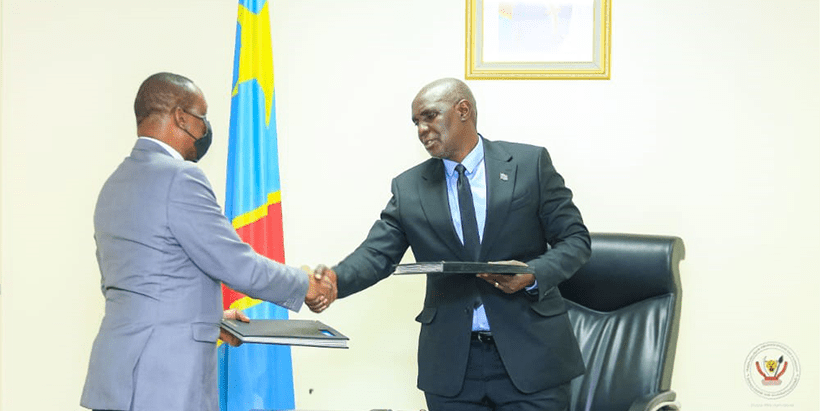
<point>464,109</point>
<point>177,112</point>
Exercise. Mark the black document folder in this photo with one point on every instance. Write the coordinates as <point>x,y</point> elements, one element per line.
<point>461,267</point>
<point>310,333</point>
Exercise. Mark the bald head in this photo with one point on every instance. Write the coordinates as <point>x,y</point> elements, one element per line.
<point>445,119</point>
<point>162,92</point>
<point>450,90</point>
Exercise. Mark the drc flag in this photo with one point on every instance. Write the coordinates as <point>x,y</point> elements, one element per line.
<point>254,376</point>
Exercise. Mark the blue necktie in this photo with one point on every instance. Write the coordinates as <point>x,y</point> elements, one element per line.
<point>469,226</point>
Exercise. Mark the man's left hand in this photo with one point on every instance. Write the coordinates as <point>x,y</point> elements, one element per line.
<point>232,314</point>
<point>509,284</point>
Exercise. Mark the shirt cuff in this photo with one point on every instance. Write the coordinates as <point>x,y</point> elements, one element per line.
<point>533,289</point>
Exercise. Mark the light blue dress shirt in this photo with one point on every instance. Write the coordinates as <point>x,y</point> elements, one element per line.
<point>475,172</point>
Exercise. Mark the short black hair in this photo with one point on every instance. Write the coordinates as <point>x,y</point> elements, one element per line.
<point>453,90</point>
<point>162,92</point>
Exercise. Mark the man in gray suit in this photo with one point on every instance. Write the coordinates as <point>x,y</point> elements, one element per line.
<point>487,342</point>
<point>164,247</point>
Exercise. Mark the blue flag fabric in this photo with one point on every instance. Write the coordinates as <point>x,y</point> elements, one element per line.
<point>254,376</point>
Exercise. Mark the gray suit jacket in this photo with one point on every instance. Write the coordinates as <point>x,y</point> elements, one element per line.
<point>530,218</point>
<point>163,247</point>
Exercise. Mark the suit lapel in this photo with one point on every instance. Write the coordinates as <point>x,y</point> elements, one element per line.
<point>433,194</point>
<point>501,174</point>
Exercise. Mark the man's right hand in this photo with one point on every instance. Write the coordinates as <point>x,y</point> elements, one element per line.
<point>321,289</point>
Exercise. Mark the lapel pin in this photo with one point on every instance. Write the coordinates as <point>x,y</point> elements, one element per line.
<point>504,177</point>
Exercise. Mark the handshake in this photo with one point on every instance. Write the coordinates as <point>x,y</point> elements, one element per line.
<point>322,289</point>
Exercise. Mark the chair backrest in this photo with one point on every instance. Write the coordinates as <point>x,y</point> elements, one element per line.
<point>624,305</point>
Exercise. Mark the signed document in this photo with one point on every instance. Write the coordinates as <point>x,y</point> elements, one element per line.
<point>309,333</point>
<point>461,267</point>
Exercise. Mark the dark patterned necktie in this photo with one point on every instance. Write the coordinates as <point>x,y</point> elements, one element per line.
<point>469,225</point>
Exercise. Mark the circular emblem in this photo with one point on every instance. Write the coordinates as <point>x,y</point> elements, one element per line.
<point>772,370</point>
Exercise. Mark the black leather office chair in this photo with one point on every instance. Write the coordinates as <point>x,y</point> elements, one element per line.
<point>624,305</point>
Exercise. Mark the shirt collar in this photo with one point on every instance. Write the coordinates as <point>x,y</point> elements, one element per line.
<point>171,151</point>
<point>471,162</point>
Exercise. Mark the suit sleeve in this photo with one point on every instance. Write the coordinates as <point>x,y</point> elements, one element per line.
<point>563,228</point>
<point>373,260</point>
<point>211,242</point>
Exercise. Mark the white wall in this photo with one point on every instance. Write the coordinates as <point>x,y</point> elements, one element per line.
<point>707,130</point>
<point>1,199</point>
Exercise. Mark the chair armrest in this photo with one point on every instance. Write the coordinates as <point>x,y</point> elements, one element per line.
<point>658,401</point>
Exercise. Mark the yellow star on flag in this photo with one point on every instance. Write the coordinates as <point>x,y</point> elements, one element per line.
<point>255,54</point>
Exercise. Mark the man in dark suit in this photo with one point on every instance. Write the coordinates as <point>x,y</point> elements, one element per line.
<point>488,341</point>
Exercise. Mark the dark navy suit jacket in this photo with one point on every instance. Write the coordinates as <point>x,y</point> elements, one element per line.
<point>530,218</point>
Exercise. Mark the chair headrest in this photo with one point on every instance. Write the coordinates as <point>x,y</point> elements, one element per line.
<point>624,269</point>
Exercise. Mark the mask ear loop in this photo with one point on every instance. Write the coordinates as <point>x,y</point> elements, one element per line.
<point>204,120</point>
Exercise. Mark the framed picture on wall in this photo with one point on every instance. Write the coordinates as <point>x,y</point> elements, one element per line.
<point>538,39</point>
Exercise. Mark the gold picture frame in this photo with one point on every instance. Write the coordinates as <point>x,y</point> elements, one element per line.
<point>538,39</point>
